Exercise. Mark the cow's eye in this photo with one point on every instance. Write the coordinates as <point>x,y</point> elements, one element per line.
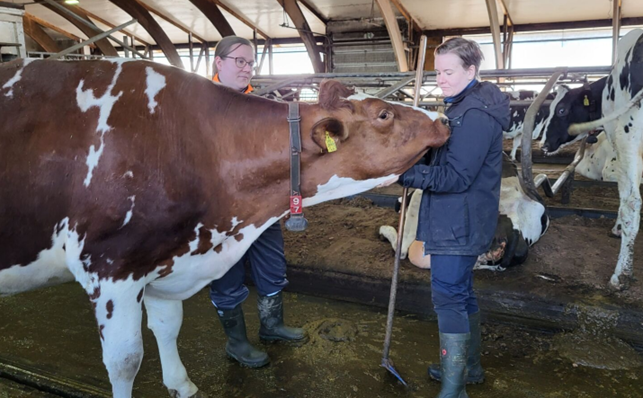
<point>561,112</point>
<point>384,115</point>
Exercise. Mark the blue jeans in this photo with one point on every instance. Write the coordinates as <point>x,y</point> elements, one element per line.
<point>267,269</point>
<point>452,292</point>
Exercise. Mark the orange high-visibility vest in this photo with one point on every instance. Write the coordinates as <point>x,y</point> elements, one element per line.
<point>246,91</point>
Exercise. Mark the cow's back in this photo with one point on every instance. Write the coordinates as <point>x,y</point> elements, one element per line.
<point>83,146</point>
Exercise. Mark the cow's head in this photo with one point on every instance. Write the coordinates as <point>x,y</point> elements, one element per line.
<point>359,142</point>
<point>570,106</point>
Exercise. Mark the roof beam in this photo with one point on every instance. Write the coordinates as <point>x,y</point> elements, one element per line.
<point>494,23</point>
<point>170,20</point>
<point>48,25</point>
<point>138,12</point>
<point>297,17</point>
<point>406,14</point>
<point>242,19</point>
<point>211,11</point>
<point>314,11</point>
<point>111,25</point>
<point>103,45</point>
<point>394,33</point>
<point>35,31</point>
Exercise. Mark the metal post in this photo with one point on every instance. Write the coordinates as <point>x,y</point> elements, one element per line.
<point>133,46</point>
<point>270,64</point>
<point>91,40</point>
<point>616,28</point>
<point>125,46</point>
<point>191,46</point>
<point>208,65</point>
<point>91,25</point>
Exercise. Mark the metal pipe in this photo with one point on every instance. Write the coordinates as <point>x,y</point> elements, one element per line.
<point>527,181</point>
<point>191,50</point>
<point>270,63</point>
<point>91,40</point>
<point>125,49</point>
<point>430,75</point>
<point>616,28</point>
<point>91,25</point>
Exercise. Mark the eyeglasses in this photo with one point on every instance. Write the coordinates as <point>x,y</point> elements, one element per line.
<point>241,62</point>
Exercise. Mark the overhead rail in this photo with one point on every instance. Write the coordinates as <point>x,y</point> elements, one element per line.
<point>268,83</point>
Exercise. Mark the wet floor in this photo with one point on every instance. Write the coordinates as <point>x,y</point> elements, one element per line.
<point>54,330</point>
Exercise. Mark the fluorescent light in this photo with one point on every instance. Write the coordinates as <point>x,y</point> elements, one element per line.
<point>71,1</point>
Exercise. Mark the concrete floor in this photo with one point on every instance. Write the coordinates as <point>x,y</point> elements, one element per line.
<point>54,330</point>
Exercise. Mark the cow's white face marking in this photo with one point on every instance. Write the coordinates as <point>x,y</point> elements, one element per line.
<point>128,174</point>
<point>191,272</point>
<point>16,78</point>
<point>340,187</point>
<point>86,100</point>
<point>363,96</point>
<point>155,83</point>
<point>48,269</point>
<point>128,215</point>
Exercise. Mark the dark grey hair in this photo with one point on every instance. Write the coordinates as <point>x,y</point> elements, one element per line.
<point>468,51</point>
<point>227,45</point>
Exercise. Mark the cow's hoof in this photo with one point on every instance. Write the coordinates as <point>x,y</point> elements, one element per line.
<point>622,282</point>
<point>613,235</point>
<point>175,394</point>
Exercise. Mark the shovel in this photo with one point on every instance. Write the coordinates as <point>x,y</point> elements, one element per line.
<point>387,363</point>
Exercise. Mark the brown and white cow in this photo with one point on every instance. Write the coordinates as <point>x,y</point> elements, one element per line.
<point>143,183</point>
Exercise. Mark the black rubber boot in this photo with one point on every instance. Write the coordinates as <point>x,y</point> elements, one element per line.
<point>475,372</point>
<point>453,364</point>
<point>271,314</point>
<point>238,347</point>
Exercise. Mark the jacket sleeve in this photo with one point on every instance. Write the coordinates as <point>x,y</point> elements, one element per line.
<point>466,152</point>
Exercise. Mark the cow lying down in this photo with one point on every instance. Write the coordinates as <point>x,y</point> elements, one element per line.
<point>143,183</point>
<point>521,222</point>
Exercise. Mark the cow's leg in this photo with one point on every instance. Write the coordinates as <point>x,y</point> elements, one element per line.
<point>119,315</point>
<point>164,318</point>
<point>516,144</point>
<point>629,212</point>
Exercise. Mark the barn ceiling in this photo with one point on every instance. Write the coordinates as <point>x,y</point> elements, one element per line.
<point>268,15</point>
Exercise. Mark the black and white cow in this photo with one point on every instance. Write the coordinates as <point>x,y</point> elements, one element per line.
<point>623,123</point>
<point>522,220</point>
<point>577,105</point>
<point>518,113</point>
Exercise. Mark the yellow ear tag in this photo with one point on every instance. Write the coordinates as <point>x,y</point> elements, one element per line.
<point>585,101</point>
<point>330,143</point>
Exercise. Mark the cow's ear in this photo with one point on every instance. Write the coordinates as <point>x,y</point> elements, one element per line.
<point>328,134</point>
<point>332,95</point>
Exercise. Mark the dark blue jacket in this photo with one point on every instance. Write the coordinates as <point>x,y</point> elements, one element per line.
<point>461,182</point>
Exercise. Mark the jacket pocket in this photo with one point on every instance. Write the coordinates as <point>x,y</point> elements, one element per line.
<point>449,215</point>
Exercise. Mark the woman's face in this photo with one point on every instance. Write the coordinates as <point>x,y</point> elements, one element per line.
<point>230,74</point>
<point>452,77</point>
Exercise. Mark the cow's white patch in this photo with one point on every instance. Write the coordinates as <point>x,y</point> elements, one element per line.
<point>128,174</point>
<point>363,96</point>
<point>16,78</point>
<point>128,215</point>
<point>86,100</point>
<point>235,221</point>
<point>410,225</point>
<point>191,272</point>
<point>48,269</point>
<point>155,83</point>
<point>341,187</point>
<point>525,213</point>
